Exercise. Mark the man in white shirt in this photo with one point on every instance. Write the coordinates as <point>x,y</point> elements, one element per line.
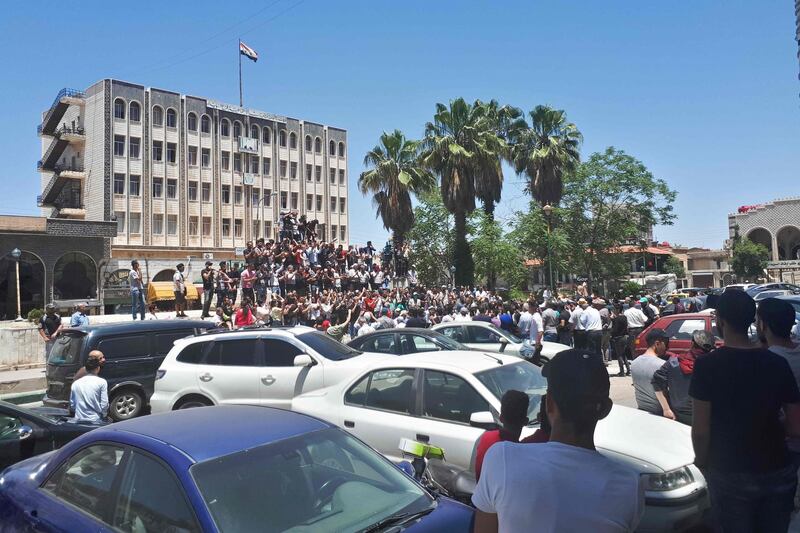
<point>578,332</point>
<point>536,333</point>
<point>179,288</point>
<point>462,315</point>
<point>636,321</point>
<point>88,398</point>
<point>533,487</point>
<point>524,323</point>
<point>592,322</point>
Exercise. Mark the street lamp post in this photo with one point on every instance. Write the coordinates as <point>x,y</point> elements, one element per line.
<point>258,209</point>
<point>548,212</point>
<point>453,275</point>
<point>16,254</point>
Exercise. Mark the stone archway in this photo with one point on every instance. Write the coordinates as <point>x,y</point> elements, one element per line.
<point>164,275</point>
<point>761,236</point>
<point>75,277</point>
<point>31,288</point>
<point>788,238</point>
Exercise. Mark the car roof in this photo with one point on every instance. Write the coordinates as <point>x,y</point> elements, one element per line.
<point>141,326</point>
<point>465,323</point>
<point>253,331</point>
<point>208,432</point>
<point>470,361</point>
<point>683,315</point>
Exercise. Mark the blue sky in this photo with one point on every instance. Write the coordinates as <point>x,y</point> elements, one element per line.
<point>705,93</point>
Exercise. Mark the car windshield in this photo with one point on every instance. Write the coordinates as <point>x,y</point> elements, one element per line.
<point>327,347</point>
<point>522,376</point>
<point>67,349</point>
<point>316,482</point>
<point>513,338</point>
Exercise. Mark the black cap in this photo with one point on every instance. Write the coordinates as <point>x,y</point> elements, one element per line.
<point>209,263</point>
<point>578,382</point>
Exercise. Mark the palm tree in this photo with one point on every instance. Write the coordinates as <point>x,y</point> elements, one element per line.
<point>546,151</point>
<point>462,146</point>
<point>394,173</point>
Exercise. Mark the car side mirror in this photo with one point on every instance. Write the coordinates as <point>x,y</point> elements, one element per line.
<point>503,344</point>
<point>483,420</point>
<point>304,360</point>
<point>24,432</point>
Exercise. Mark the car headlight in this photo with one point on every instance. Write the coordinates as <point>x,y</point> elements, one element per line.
<point>672,480</point>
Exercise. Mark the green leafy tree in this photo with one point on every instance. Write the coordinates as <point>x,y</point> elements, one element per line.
<point>545,152</point>
<point>749,259</point>
<point>529,232</point>
<point>431,240</point>
<point>673,265</point>
<point>495,253</point>
<point>394,174</point>
<point>608,200</point>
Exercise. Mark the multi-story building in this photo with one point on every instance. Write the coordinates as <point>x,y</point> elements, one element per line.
<point>185,177</point>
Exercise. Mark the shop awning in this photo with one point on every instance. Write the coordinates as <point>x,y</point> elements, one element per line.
<point>159,291</point>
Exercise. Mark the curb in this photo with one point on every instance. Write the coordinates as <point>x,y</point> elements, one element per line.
<point>19,398</point>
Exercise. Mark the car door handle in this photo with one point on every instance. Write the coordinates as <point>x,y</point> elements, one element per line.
<point>268,380</point>
<point>423,438</point>
<point>349,424</point>
<point>206,377</point>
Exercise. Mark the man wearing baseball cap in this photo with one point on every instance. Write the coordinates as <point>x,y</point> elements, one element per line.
<point>512,494</point>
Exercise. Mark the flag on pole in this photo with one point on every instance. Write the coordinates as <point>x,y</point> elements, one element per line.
<point>247,51</point>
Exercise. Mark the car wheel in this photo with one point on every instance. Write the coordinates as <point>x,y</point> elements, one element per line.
<point>125,404</point>
<point>192,402</point>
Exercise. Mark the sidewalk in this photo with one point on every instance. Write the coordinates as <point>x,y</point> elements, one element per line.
<point>23,386</point>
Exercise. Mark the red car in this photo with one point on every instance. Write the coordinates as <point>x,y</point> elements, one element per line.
<point>679,328</point>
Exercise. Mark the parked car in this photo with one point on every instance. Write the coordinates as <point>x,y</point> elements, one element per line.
<point>133,351</point>
<point>265,366</point>
<point>402,341</point>
<point>772,293</point>
<point>437,398</point>
<point>679,328</point>
<point>753,291</point>
<point>485,336</point>
<point>738,286</point>
<point>225,469</point>
<point>28,432</point>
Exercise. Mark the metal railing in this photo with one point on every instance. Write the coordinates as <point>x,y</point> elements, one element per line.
<point>61,94</point>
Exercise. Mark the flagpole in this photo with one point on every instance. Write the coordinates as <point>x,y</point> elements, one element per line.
<point>239,51</point>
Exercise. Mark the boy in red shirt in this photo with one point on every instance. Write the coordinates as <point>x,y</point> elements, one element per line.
<point>513,417</point>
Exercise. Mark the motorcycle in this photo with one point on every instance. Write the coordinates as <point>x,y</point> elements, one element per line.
<point>429,467</point>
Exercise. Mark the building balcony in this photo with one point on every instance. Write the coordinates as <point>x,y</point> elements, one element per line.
<point>65,98</point>
<point>61,176</point>
<point>61,139</point>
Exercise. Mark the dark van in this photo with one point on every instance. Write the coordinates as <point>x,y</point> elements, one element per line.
<point>133,352</point>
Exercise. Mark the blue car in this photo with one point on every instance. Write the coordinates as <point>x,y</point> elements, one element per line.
<point>238,469</point>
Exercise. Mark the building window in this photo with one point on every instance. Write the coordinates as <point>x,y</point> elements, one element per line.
<point>331,148</point>
<point>172,118</point>
<point>333,231</point>
<point>133,147</point>
<point>318,174</point>
<point>267,165</point>
<point>319,202</point>
<point>333,205</point>
<point>225,128</point>
<point>282,138</point>
<point>266,135</point>
<point>283,169</point>
<point>267,229</point>
<point>254,131</point>
<point>158,150</point>
<point>135,223</point>
<point>158,224</point>
<point>172,152</point>
<point>293,141</point>
<point>237,162</point>
<point>119,145</point>
<point>267,198</point>
<point>158,116</point>
<point>317,145</point>
<point>256,228</point>
<point>332,176</point>
<point>206,226</point>
<point>238,198</point>
<point>293,174</point>
<point>205,189</point>
<point>192,154</point>
<point>341,154</point>
<point>309,202</point>
<point>255,197</point>
<point>120,222</point>
<point>226,160</point>
<point>205,124</point>
<point>254,164</point>
<point>226,227</point>
<point>158,187</point>
<point>294,200</point>
<point>342,232</point>
<point>119,108</point>
<point>283,200</point>
<point>172,224</point>
<point>172,188</point>
<point>342,179</point>
<point>133,185</point>
<point>205,157</point>
<point>237,130</point>
<point>135,112</point>
<point>226,194</point>
<point>191,122</point>
<point>342,206</point>
<point>308,143</point>
<point>194,224</point>
<point>192,191</point>
<point>308,172</point>
<point>237,227</point>
<point>119,183</point>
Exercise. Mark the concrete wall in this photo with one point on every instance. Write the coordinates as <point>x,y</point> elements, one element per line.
<point>21,346</point>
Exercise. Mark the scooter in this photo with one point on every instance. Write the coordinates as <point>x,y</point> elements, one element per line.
<point>429,467</point>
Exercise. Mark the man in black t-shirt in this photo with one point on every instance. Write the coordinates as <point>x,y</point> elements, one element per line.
<point>208,288</point>
<point>49,328</point>
<point>739,391</point>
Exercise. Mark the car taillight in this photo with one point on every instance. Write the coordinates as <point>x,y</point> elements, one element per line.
<point>160,374</point>
<point>637,341</point>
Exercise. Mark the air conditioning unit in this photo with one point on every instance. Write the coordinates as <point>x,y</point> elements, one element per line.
<point>208,256</point>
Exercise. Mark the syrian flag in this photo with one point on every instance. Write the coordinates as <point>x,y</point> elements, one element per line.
<point>247,51</point>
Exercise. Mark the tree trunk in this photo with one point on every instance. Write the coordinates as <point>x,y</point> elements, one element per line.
<point>462,255</point>
<point>491,275</point>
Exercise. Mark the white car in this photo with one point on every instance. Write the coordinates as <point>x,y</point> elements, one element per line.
<point>433,397</point>
<point>264,366</point>
<point>486,336</point>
